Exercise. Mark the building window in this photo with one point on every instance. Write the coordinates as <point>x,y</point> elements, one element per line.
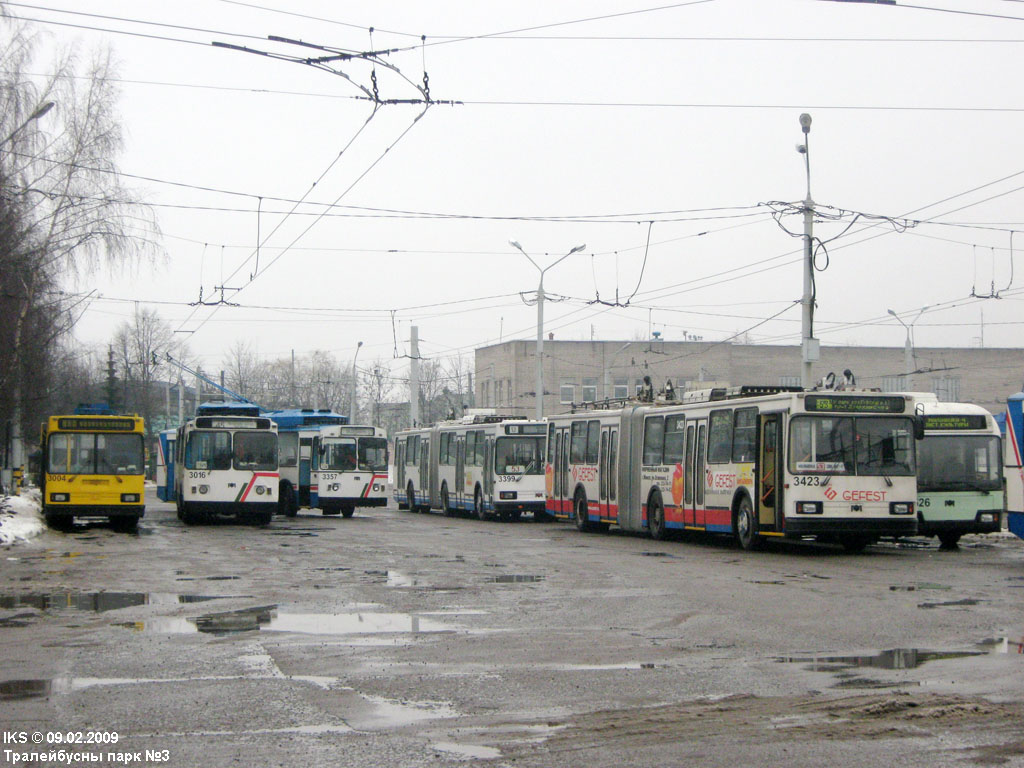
<point>620,388</point>
<point>947,388</point>
<point>499,385</point>
<point>790,381</point>
<point>508,391</point>
<point>589,390</point>
<point>567,393</point>
<point>895,384</point>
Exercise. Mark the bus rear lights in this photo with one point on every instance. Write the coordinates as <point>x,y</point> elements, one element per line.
<point>507,495</point>
<point>204,489</point>
<point>129,498</point>
<point>809,508</point>
<point>901,508</point>
<point>988,517</point>
<point>59,497</point>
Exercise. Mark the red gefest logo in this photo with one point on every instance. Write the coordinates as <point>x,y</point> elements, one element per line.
<point>830,493</point>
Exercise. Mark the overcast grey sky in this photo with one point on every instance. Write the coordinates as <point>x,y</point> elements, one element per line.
<point>656,135</point>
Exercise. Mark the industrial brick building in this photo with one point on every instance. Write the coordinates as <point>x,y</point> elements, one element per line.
<point>580,371</point>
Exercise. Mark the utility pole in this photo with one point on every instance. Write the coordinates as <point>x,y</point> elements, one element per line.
<point>414,375</point>
<point>810,347</point>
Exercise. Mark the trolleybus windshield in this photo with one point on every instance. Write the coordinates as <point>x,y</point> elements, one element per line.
<point>519,456</point>
<point>255,450</point>
<point>373,454</point>
<point>850,445</point>
<point>959,463</point>
<point>82,453</point>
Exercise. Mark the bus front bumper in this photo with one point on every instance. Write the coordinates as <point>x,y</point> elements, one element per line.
<point>838,527</point>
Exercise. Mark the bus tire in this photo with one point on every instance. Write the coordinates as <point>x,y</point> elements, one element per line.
<point>745,525</point>
<point>949,540</point>
<point>581,512</point>
<point>445,501</point>
<point>347,512</point>
<point>262,518</point>
<point>410,498</point>
<point>656,518</point>
<point>287,504</point>
<point>125,523</point>
<point>854,544</point>
<point>478,505</point>
<point>58,521</point>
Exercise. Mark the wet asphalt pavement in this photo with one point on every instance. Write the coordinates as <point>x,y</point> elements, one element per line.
<point>400,639</point>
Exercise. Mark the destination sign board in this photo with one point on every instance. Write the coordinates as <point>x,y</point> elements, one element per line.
<point>854,403</point>
<point>94,424</point>
<point>954,421</point>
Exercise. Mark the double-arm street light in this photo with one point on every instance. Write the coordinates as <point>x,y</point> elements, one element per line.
<point>540,318</point>
<point>908,347</point>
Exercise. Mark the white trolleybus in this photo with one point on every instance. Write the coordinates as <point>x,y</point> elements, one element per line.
<point>226,465</point>
<point>487,465</point>
<point>752,462</point>
<point>960,486</point>
<point>350,469</point>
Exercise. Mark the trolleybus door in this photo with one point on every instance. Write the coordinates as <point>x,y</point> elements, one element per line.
<point>768,488</point>
<point>608,507</point>
<point>424,484</point>
<point>561,472</point>
<point>399,464</point>
<point>460,468</point>
<point>699,475</point>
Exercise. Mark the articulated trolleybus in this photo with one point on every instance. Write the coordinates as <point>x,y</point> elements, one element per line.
<point>484,464</point>
<point>350,469</point>
<point>226,465</point>
<point>93,465</point>
<point>960,485</point>
<point>753,462</point>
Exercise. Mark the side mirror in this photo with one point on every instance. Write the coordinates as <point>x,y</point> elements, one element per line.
<point>918,427</point>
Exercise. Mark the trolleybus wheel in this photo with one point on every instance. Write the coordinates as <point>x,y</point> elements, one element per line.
<point>854,544</point>
<point>582,513</point>
<point>59,521</point>
<point>478,505</point>
<point>287,504</point>
<point>348,511</point>
<point>656,518</point>
<point>125,524</point>
<point>746,526</point>
<point>410,498</point>
<point>445,506</point>
<point>262,518</point>
<point>949,540</point>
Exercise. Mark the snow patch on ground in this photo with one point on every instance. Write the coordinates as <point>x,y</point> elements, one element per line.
<point>21,517</point>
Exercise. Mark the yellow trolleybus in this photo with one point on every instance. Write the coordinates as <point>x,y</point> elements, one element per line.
<point>93,465</point>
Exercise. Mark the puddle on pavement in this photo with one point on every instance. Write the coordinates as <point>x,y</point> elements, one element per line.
<point>467,751</point>
<point>98,602</point>
<point>269,619</point>
<point>515,578</point>
<point>24,689</point>
<point>897,658</point>
<point>950,603</point>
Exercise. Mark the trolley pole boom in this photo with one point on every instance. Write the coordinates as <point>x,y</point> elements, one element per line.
<point>198,375</point>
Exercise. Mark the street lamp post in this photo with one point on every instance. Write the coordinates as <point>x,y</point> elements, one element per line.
<point>809,344</point>
<point>540,318</point>
<point>909,365</point>
<point>17,455</point>
<point>352,404</point>
<point>39,112</point>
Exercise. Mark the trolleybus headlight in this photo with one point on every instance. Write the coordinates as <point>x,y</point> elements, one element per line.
<point>507,495</point>
<point>58,497</point>
<point>260,490</point>
<point>204,489</point>
<point>901,508</point>
<point>987,517</point>
<point>129,498</point>
<point>809,508</point>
